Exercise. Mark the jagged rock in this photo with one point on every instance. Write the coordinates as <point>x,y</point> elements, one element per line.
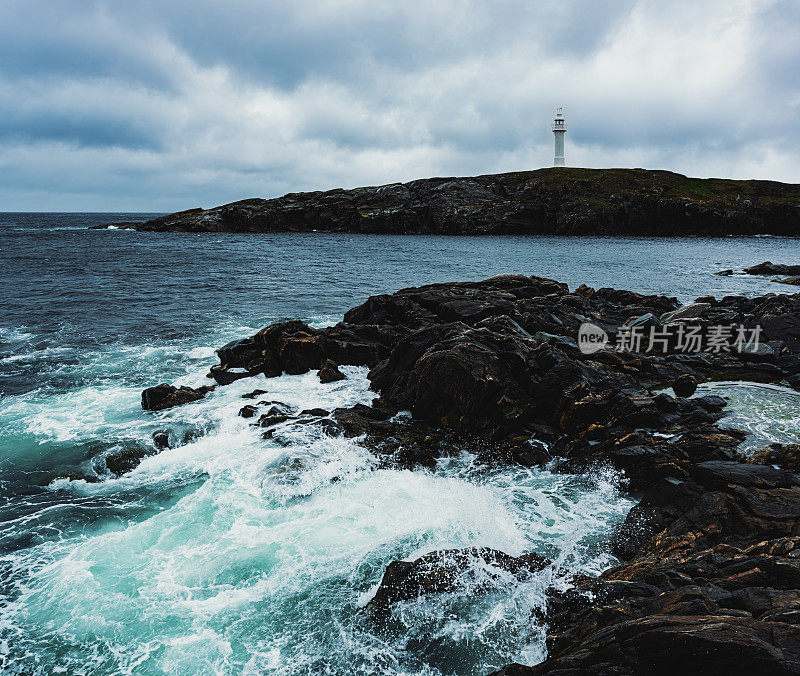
<point>277,413</point>
<point>447,571</point>
<point>254,394</point>
<point>404,444</point>
<point>329,372</point>
<point>315,412</point>
<point>521,449</point>
<point>497,358</point>
<point>166,396</point>
<point>785,456</point>
<point>121,460</point>
<point>569,201</point>
<point>769,268</point>
<point>248,411</point>
<point>329,426</point>
<point>724,273</point>
<point>225,376</point>
<point>712,567</point>
<point>794,281</point>
<point>710,553</point>
<point>124,461</point>
<point>685,386</point>
<point>294,347</point>
<point>693,310</point>
<point>648,319</point>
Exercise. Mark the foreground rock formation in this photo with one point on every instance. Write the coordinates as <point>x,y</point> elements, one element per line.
<point>564,201</point>
<point>710,574</point>
<point>447,571</point>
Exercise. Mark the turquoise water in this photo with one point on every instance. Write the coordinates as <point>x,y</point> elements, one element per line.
<point>767,413</point>
<point>232,554</point>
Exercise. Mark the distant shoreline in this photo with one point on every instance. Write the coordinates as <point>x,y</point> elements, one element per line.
<point>553,201</point>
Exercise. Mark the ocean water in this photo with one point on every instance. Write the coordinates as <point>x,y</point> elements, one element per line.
<point>230,554</point>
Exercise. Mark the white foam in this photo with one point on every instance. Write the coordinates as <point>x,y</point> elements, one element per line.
<point>263,565</point>
<point>767,413</point>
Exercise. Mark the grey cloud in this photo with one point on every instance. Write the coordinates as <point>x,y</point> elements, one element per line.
<point>169,104</point>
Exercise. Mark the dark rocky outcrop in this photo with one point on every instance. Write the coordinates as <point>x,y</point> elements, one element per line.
<point>709,580</point>
<point>329,372</point>
<point>122,460</point>
<point>248,411</point>
<point>712,584</point>
<point>294,347</point>
<point>785,456</point>
<point>566,201</point>
<point>166,396</point>
<point>685,385</point>
<point>770,268</point>
<point>449,570</point>
<point>498,359</point>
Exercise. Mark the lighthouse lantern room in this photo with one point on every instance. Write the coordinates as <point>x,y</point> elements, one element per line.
<point>559,129</point>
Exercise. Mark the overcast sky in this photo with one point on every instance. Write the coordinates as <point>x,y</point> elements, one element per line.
<point>159,105</point>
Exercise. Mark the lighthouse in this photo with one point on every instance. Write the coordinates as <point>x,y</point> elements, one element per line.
<point>559,129</point>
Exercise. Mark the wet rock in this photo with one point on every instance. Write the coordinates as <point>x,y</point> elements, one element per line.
<point>248,411</point>
<point>165,396</point>
<point>329,427</point>
<point>470,570</point>
<point>711,402</point>
<point>691,311</point>
<point>648,319</point>
<point>712,560</point>
<point>294,347</point>
<point>709,554</point>
<point>769,268</point>
<point>329,372</point>
<point>521,450</point>
<point>405,444</point>
<point>272,420</point>
<point>793,281</point>
<point>552,339</point>
<point>225,376</point>
<point>277,413</point>
<point>717,474</point>
<point>693,644</point>
<point>160,439</point>
<point>315,412</point>
<point>122,460</point>
<point>724,273</point>
<point>785,456</point>
<point>254,394</point>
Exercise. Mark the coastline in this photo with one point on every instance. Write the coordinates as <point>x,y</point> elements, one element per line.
<point>708,579</point>
<point>553,201</point>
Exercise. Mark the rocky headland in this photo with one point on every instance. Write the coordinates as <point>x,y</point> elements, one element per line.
<point>552,201</point>
<point>709,574</point>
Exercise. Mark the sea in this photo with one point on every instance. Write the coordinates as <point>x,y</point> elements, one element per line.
<point>231,554</point>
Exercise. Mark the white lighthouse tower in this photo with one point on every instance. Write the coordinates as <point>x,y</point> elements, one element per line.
<point>559,129</point>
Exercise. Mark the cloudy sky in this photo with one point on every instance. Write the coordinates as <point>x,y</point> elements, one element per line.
<point>159,105</point>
